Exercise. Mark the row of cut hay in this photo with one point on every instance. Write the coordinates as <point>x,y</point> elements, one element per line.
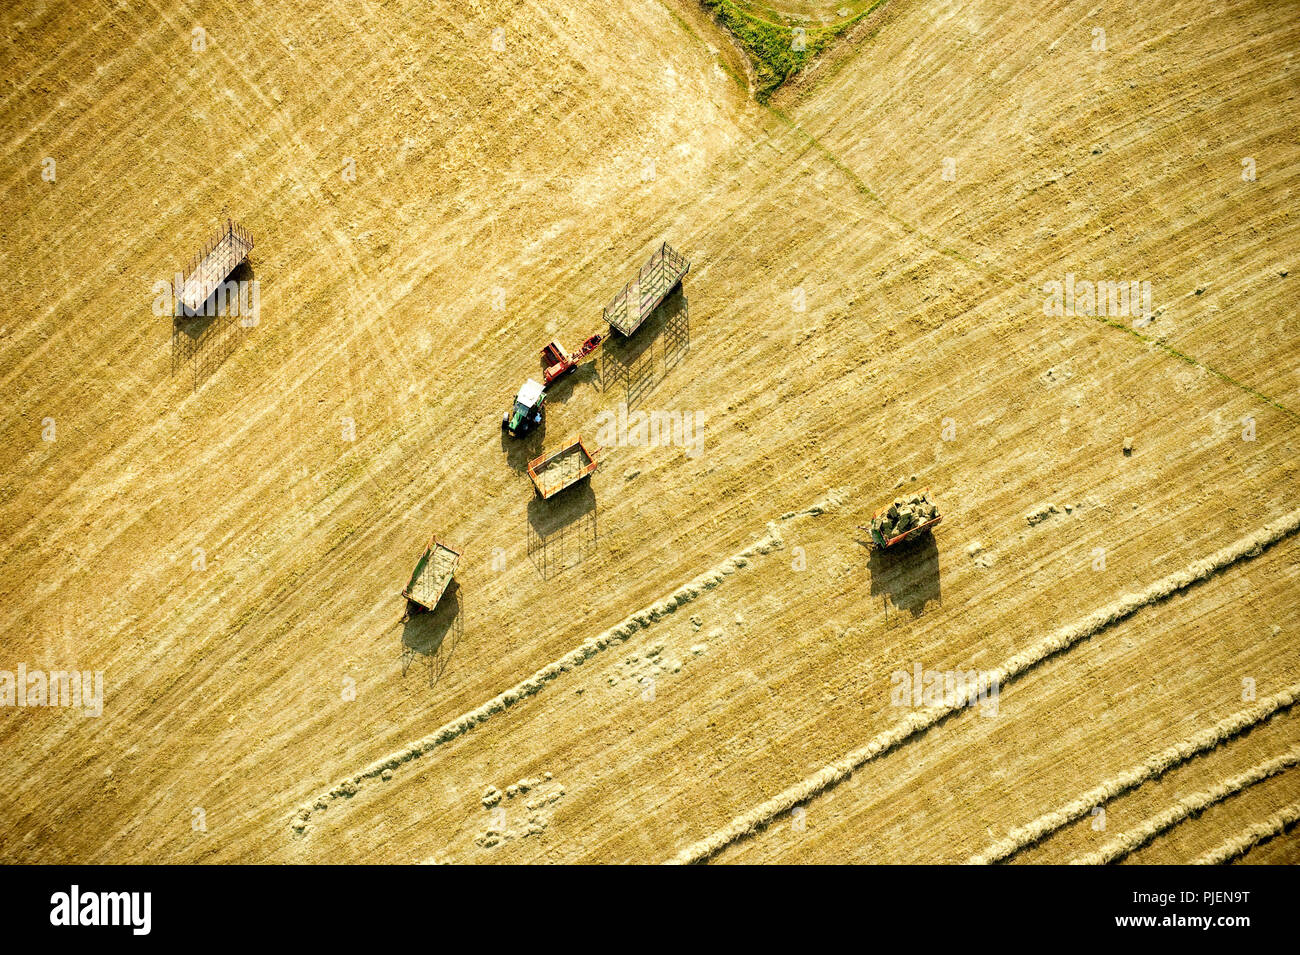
<point>616,635</point>
<point>1240,844</point>
<point>1152,767</point>
<point>829,501</point>
<point>761,815</point>
<point>1135,839</point>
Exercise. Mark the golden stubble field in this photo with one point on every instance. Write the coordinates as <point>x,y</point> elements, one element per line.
<point>222,524</point>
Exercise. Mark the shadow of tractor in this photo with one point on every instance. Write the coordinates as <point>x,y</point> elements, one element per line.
<point>519,451</point>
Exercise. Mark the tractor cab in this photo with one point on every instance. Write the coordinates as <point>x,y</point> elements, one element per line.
<point>526,413</point>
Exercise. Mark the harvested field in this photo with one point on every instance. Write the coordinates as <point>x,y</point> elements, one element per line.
<point>729,673</point>
<point>1257,833</point>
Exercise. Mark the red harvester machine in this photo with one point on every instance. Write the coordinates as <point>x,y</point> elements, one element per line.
<point>559,363</point>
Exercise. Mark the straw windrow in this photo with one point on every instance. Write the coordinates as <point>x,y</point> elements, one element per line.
<point>918,722</point>
<point>1138,837</point>
<point>641,620</point>
<point>1242,843</point>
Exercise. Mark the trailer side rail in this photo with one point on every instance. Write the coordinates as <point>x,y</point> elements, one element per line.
<point>552,473</point>
<point>890,542</point>
<point>215,260</point>
<point>639,298</point>
<point>432,574</point>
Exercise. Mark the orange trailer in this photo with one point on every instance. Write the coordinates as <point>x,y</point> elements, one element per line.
<point>552,473</point>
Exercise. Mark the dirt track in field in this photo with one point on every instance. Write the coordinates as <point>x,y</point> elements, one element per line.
<point>225,516</point>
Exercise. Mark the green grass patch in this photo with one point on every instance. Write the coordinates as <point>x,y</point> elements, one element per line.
<point>773,46</point>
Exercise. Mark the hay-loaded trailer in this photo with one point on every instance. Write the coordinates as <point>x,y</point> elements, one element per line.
<point>552,473</point>
<point>904,519</point>
<point>639,298</point>
<point>432,574</point>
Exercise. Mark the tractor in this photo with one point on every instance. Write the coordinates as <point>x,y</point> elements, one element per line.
<point>527,411</point>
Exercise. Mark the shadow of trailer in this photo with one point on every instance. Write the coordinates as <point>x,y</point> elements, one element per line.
<point>552,473</point>
<point>433,572</point>
<point>562,531</point>
<point>638,299</point>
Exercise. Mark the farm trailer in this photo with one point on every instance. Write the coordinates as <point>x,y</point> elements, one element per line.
<point>218,257</point>
<point>639,298</point>
<point>436,567</point>
<point>885,533</point>
<point>552,473</point>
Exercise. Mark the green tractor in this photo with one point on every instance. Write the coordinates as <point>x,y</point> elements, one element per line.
<point>527,412</point>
